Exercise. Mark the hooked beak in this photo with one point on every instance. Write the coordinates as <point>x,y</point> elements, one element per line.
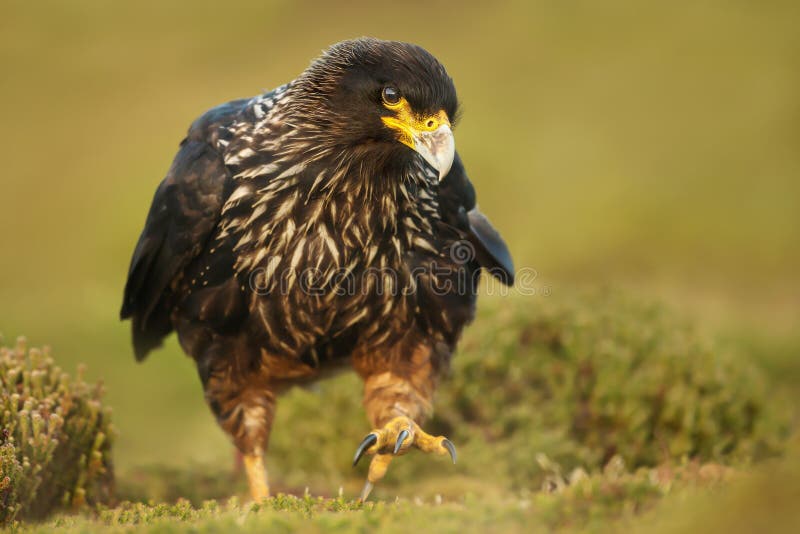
<point>430,136</point>
<point>438,148</point>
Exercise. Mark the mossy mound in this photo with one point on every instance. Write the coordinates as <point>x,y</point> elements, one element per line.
<point>585,379</point>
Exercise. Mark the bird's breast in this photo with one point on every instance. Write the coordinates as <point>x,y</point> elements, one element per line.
<point>323,268</point>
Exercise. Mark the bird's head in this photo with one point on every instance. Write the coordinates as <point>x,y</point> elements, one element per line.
<point>390,99</point>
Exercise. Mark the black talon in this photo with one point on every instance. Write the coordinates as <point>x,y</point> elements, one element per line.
<point>401,437</point>
<point>366,443</point>
<point>447,444</point>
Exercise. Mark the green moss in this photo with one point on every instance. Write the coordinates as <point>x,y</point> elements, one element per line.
<point>587,378</point>
<point>582,498</point>
<point>56,437</point>
<point>575,502</point>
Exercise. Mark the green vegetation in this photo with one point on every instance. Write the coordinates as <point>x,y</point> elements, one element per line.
<point>55,447</point>
<point>584,379</point>
<point>719,499</point>
<point>569,413</point>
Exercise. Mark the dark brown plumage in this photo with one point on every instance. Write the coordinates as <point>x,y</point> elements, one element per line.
<point>326,223</point>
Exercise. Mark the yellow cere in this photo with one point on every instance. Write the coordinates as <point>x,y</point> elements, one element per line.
<point>409,124</point>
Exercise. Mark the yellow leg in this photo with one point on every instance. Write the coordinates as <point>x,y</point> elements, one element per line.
<point>256,475</point>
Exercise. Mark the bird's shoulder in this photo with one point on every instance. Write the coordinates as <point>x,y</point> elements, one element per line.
<point>220,124</point>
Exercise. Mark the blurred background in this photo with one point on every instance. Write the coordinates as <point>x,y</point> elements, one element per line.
<point>650,147</point>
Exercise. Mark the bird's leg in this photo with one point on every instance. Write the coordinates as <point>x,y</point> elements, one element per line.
<point>244,407</point>
<point>394,404</point>
<point>256,475</point>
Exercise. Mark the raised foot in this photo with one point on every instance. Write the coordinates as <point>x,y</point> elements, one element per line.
<point>394,439</point>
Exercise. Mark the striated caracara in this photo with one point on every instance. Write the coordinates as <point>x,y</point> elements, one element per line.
<point>326,223</point>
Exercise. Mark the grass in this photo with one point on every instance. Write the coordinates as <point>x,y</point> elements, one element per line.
<point>719,500</point>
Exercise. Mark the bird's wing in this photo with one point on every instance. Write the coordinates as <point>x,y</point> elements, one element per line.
<point>458,206</point>
<point>185,210</point>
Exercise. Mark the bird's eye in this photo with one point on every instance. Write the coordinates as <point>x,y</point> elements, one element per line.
<point>391,96</point>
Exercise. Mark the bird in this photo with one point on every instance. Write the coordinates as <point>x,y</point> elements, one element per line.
<point>323,225</point>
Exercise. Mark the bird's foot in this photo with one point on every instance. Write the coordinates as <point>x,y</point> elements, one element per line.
<point>394,439</point>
